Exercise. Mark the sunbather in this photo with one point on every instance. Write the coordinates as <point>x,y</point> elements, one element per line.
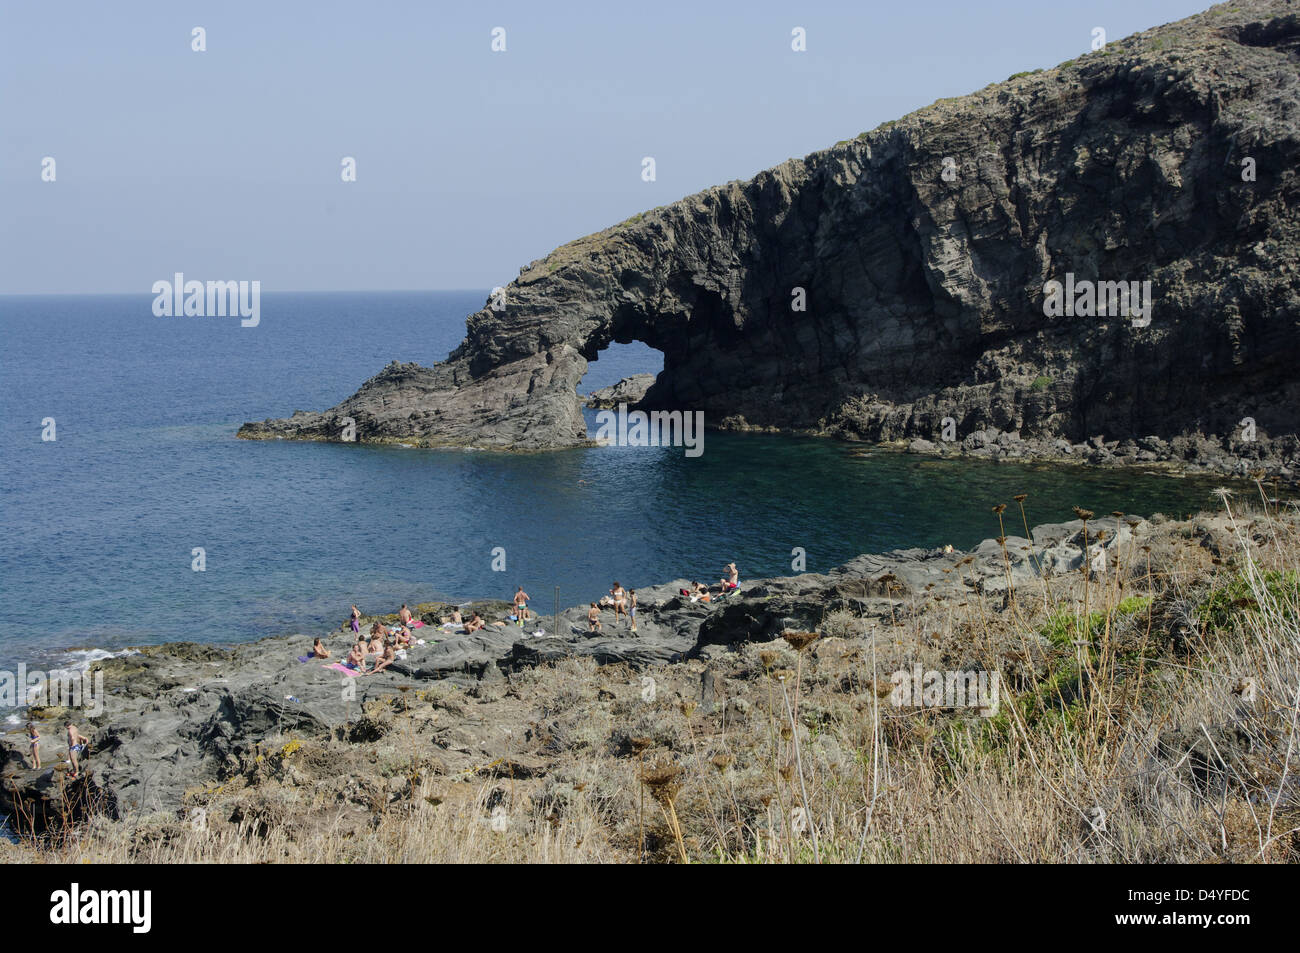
<point>454,618</point>
<point>318,649</point>
<point>732,578</point>
<point>475,623</point>
<point>404,614</point>
<point>357,657</point>
<point>593,618</point>
<point>386,659</point>
<point>700,593</point>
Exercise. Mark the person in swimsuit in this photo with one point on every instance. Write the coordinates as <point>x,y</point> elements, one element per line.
<point>619,595</point>
<point>475,623</point>
<point>453,619</point>
<point>356,619</point>
<point>76,745</point>
<point>386,659</point>
<point>318,649</point>
<point>700,593</point>
<point>631,611</point>
<point>732,578</point>
<point>404,614</point>
<point>521,605</point>
<point>593,618</point>
<point>34,739</point>
<point>357,658</point>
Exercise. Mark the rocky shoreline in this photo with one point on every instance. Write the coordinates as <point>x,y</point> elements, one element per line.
<point>185,717</point>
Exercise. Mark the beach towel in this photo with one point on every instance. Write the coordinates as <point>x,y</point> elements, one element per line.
<point>306,658</point>
<point>342,668</point>
<point>418,623</point>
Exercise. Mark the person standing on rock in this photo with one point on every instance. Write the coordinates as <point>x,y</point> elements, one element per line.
<point>619,595</point>
<point>521,605</point>
<point>356,619</point>
<point>34,739</point>
<point>593,618</point>
<point>631,609</point>
<point>76,745</point>
<point>404,614</point>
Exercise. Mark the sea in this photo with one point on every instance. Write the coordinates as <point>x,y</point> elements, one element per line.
<point>103,524</point>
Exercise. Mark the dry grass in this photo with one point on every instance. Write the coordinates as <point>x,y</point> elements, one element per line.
<point>1158,725</point>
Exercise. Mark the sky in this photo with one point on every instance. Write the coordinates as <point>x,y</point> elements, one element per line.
<point>226,164</point>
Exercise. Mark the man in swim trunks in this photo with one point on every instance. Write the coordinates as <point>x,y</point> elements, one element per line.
<point>404,614</point>
<point>76,745</point>
<point>732,578</point>
<point>521,605</point>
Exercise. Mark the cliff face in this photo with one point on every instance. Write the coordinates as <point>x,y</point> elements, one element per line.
<point>924,293</point>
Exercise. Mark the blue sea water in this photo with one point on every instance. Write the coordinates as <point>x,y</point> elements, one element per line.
<point>99,524</point>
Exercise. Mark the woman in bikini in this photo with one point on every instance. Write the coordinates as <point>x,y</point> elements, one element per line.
<point>593,618</point>
<point>34,739</point>
<point>619,595</point>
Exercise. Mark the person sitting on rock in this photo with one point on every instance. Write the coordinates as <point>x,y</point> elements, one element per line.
<point>404,637</point>
<point>453,619</point>
<point>386,659</point>
<point>318,649</point>
<point>700,593</point>
<point>76,745</point>
<point>732,578</point>
<point>357,657</point>
<point>593,618</point>
<point>475,623</point>
<point>404,614</point>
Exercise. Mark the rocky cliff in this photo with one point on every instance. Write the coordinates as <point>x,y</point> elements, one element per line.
<point>863,292</point>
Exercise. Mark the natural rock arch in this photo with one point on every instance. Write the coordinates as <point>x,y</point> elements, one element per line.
<point>923,295</point>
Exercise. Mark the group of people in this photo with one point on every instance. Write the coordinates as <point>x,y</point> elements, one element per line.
<point>622,601</point>
<point>77,743</point>
<point>382,644</point>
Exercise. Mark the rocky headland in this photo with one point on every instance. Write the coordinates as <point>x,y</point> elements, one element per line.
<point>892,287</point>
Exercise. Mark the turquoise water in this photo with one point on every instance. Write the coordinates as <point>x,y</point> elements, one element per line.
<point>99,525</point>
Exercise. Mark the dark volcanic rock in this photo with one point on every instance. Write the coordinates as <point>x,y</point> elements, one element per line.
<point>630,391</point>
<point>924,296</point>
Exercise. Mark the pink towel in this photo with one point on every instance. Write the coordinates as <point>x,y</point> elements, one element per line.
<point>417,623</point>
<point>342,668</point>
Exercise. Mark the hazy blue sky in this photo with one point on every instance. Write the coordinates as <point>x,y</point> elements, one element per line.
<point>225,164</point>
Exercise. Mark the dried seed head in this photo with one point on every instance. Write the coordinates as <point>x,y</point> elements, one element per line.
<point>799,640</point>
